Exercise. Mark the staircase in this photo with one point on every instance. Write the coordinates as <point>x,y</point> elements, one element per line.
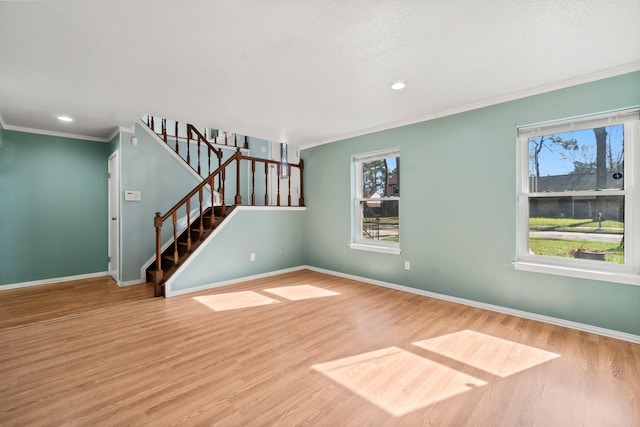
<point>191,227</point>
<point>187,242</point>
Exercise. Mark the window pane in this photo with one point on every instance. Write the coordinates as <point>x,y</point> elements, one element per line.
<point>577,227</point>
<point>587,159</point>
<point>380,220</point>
<point>381,178</point>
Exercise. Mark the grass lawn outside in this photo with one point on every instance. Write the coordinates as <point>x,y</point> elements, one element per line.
<point>584,225</point>
<point>392,220</point>
<point>563,248</point>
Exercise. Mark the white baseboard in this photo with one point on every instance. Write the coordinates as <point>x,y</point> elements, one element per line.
<point>499,309</point>
<point>131,282</point>
<point>496,308</point>
<point>171,293</point>
<point>52,280</point>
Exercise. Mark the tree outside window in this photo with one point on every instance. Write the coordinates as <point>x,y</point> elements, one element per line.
<point>577,204</point>
<point>376,219</point>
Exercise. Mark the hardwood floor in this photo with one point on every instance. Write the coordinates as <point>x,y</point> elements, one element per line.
<point>310,349</point>
<point>46,302</point>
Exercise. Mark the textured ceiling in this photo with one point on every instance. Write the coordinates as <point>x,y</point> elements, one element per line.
<point>298,71</point>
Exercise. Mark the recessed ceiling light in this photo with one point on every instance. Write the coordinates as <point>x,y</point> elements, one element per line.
<point>65,119</point>
<point>399,85</point>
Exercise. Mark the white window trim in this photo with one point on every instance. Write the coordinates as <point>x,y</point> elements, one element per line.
<point>356,223</point>
<point>629,273</point>
<point>375,248</point>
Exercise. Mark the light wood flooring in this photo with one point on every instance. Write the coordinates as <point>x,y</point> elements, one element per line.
<point>46,302</point>
<point>306,348</point>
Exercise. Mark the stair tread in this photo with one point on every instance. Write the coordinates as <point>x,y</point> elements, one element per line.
<point>170,267</point>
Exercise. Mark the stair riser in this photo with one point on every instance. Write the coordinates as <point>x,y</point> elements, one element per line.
<point>168,262</point>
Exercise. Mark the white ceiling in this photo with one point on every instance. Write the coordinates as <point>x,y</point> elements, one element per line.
<point>297,71</point>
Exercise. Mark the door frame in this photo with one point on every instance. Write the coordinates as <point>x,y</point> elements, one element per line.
<point>113,182</point>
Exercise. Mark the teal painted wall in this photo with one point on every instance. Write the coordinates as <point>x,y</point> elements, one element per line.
<point>162,180</point>
<point>53,207</point>
<point>273,235</point>
<point>458,209</point>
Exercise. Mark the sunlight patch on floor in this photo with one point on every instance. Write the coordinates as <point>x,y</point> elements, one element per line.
<point>234,300</point>
<point>396,380</point>
<point>491,354</point>
<point>300,292</point>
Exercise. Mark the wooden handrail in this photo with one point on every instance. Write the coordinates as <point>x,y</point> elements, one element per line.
<point>192,134</point>
<point>220,175</point>
<point>236,156</point>
<point>191,129</point>
<point>198,187</point>
<point>150,122</point>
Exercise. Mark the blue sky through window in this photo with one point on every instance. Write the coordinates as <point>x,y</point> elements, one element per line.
<point>391,163</point>
<point>555,160</point>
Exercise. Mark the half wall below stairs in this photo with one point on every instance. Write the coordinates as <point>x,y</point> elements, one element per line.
<point>274,235</point>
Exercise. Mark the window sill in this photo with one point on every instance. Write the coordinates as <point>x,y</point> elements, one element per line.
<point>372,248</point>
<point>581,273</point>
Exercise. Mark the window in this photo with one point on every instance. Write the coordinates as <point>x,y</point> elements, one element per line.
<point>376,202</point>
<point>579,203</point>
<point>284,160</point>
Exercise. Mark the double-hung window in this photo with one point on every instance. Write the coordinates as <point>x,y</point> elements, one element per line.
<point>579,197</point>
<point>376,213</point>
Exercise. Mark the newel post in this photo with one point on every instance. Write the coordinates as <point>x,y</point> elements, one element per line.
<point>157,222</point>
<point>301,201</point>
<point>238,155</point>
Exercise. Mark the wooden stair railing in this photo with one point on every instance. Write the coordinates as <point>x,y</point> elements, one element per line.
<point>207,217</point>
<point>192,133</point>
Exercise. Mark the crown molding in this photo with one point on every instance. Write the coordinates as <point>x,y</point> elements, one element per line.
<point>54,133</point>
<point>494,101</point>
<point>120,129</point>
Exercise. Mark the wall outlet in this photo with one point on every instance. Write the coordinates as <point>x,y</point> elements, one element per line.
<point>252,257</point>
<point>407,265</point>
